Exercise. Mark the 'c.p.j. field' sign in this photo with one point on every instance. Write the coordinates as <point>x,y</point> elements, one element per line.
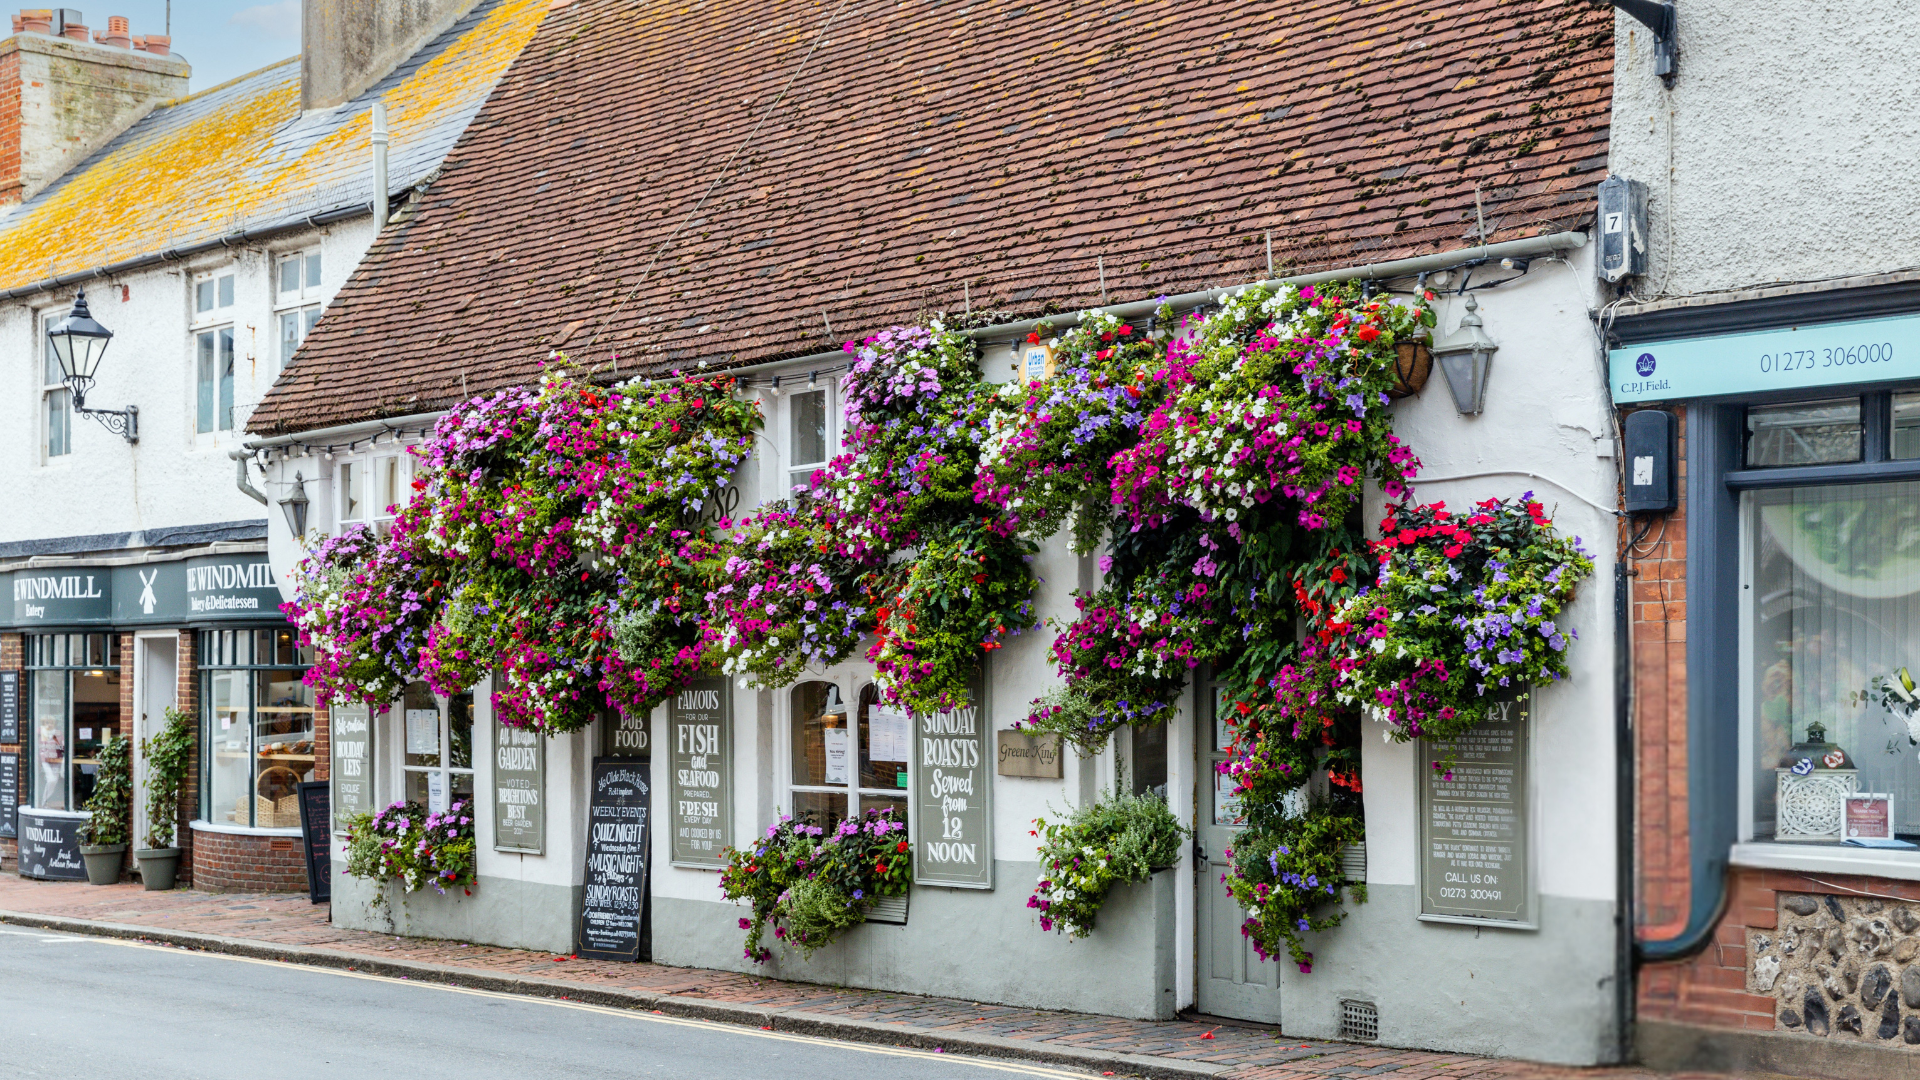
<point>952,804</point>
<point>1475,847</point>
<point>1785,358</point>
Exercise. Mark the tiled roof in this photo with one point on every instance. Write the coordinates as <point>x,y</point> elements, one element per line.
<point>242,157</point>
<point>923,155</point>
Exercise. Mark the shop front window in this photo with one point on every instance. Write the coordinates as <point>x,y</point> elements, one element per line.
<point>846,761</point>
<point>76,707</point>
<point>258,731</point>
<point>438,769</point>
<point>1831,617</point>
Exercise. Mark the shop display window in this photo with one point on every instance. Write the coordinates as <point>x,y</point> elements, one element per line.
<point>437,748</point>
<point>1831,624</point>
<point>845,761</point>
<point>257,727</point>
<point>75,703</point>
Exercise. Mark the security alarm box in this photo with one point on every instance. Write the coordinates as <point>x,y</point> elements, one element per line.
<point>1653,447</point>
<point>1623,228</point>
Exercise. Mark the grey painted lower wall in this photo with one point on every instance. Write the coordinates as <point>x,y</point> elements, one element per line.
<point>502,911</point>
<point>1543,995</point>
<point>982,946</point>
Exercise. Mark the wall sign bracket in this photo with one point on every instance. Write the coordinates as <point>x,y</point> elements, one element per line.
<point>122,422</point>
<point>1659,17</point>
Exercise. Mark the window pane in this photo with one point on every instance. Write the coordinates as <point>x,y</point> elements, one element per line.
<point>422,719</point>
<point>290,274</point>
<point>59,424</point>
<point>884,735</point>
<point>822,808</point>
<point>203,296</point>
<point>313,270</point>
<point>203,384</point>
<point>386,485</point>
<point>820,735</point>
<point>460,731</point>
<point>229,733</point>
<point>226,290</point>
<point>1149,772</point>
<point>1906,426</point>
<point>309,317</point>
<point>96,716</point>
<point>1804,433</point>
<point>291,334</point>
<point>1834,604</point>
<point>352,491</point>
<point>50,739</point>
<point>809,444</point>
<point>226,379</point>
<point>283,742</point>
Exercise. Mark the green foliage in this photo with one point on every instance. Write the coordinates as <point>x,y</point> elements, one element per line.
<point>405,843</point>
<point>1287,877</point>
<point>169,754</point>
<point>1116,840</point>
<point>809,883</point>
<point>110,807</point>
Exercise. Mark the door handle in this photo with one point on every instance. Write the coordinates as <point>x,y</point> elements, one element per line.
<point>1199,851</point>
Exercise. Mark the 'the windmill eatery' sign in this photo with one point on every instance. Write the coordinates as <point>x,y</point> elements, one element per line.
<point>208,588</point>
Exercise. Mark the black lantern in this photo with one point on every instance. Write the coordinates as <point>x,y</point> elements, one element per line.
<point>295,507</point>
<point>1464,357</point>
<point>77,343</point>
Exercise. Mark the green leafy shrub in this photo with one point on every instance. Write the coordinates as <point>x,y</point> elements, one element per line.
<point>1117,840</point>
<point>110,807</point>
<point>169,754</point>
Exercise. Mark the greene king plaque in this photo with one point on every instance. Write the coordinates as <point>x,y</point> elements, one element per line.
<point>1474,841</point>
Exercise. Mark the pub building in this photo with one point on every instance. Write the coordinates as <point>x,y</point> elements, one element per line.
<point>608,841</point>
<point>96,647</point>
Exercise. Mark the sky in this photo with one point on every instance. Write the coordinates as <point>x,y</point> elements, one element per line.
<point>222,39</point>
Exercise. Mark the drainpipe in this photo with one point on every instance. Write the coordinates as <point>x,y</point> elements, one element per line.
<point>242,480</point>
<point>1626,978</point>
<point>379,165</point>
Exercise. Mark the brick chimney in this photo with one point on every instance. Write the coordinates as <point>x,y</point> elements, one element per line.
<point>348,45</point>
<point>62,97</point>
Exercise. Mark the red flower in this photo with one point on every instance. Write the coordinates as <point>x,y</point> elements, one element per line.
<point>1033,339</point>
<point>1453,551</point>
<point>1338,574</point>
<point>901,847</point>
<point>1367,333</point>
<point>1125,330</point>
<point>880,868</point>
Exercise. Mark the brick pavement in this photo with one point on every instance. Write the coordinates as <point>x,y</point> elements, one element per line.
<point>1238,1051</point>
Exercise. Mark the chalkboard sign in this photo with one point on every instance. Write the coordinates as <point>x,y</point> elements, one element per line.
<point>952,815</point>
<point>519,790</point>
<point>616,886</point>
<point>50,845</point>
<point>1474,836</point>
<point>9,793</point>
<point>350,739</point>
<point>702,778</point>
<point>317,832</point>
<point>9,707</point>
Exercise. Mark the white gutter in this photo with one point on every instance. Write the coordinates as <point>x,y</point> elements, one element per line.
<point>349,433</point>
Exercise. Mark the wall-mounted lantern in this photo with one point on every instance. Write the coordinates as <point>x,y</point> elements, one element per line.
<point>78,343</point>
<point>1464,357</point>
<point>295,507</point>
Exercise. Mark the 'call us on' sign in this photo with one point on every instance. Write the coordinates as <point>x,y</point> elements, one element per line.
<point>1475,842</point>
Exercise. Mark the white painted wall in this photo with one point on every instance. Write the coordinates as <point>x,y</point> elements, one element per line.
<point>1783,153</point>
<point>172,476</point>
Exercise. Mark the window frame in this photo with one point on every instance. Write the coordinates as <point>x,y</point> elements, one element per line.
<point>56,439</point>
<point>209,325</point>
<point>218,651</point>
<point>396,713</point>
<point>40,654</point>
<point>374,511</point>
<point>303,304</point>
<point>830,389</point>
<point>856,795</point>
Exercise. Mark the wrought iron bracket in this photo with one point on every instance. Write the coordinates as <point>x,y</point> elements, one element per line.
<point>122,422</point>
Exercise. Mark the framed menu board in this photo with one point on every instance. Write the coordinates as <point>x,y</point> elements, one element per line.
<point>615,896</point>
<point>350,740</point>
<point>9,707</point>
<point>9,793</point>
<point>700,783</point>
<point>952,815</point>
<point>1475,835</point>
<point>519,790</point>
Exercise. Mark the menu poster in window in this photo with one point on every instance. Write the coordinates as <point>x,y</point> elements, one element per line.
<point>350,738</point>
<point>519,790</point>
<point>837,743</point>
<point>9,792</point>
<point>891,734</point>
<point>1474,834</point>
<point>952,774</point>
<point>9,706</point>
<point>702,780</point>
<point>423,731</point>
<point>616,880</point>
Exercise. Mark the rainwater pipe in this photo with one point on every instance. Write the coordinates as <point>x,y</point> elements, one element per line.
<point>243,481</point>
<point>379,165</point>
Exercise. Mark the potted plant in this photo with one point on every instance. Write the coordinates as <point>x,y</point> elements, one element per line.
<point>105,834</point>
<point>168,755</point>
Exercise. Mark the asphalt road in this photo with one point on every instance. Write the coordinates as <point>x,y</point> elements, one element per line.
<point>76,1006</point>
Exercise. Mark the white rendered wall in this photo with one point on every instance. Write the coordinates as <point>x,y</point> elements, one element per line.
<point>172,476</point>
<point>1790,135</point>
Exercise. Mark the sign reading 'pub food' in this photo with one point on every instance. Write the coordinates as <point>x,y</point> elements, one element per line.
<point>519,790</point>
<point>702,764</point>
<point>952,778</point>
<point>616,886</point>
<point>1473,828</point>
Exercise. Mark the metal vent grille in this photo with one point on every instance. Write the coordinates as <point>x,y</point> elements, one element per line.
<point>889,909</point>
<point>1359,1021</point>
<point>1353,861</point>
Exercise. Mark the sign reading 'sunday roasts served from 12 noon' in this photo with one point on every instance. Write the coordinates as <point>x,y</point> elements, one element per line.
<point>1787,358</point>
<point>202,589</point>
<point>701,782</point>
<point>1474,836</point>
<point>952,781</point>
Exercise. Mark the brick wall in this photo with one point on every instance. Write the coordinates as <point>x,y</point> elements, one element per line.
<point>1659,634</point>
<point>186,693</point>
<point>13,658</point>
<point>10,180</point>
<point>229,862</point>
<point>322,743</point>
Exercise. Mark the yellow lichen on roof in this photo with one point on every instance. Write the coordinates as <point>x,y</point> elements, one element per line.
<point>185,183</point>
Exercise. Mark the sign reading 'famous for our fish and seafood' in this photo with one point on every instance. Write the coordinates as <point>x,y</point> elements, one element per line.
<point>1789,358</point>
<point>702,763</point>
<point>952,803</point>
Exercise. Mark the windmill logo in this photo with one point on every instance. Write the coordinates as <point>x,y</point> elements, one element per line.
<point>147,600</point>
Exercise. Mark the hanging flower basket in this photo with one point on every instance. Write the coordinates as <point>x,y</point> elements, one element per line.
<point>1412,364</point>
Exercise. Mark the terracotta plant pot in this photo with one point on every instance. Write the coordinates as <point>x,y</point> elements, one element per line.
<point>1412,365</point>
<point>103,863</point>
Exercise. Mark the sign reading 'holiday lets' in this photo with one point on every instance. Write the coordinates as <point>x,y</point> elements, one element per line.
<point>616,887</point>
<point>1473,828</point>
<point>701,781</point>
<point>952,783</point>
<point>350,739</point>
